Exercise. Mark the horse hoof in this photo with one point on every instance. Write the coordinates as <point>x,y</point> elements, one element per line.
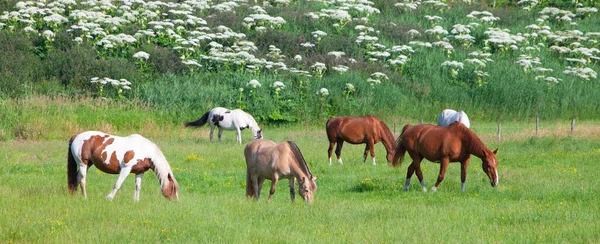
<point>434,189</point>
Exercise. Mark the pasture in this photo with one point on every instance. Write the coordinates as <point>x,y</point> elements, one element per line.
<point>548,192</point>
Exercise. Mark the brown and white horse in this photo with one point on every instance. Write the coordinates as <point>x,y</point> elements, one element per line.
<point>454,143</point>
<point>267,160</point>
<point>357,130</point>
<point>118,155</point>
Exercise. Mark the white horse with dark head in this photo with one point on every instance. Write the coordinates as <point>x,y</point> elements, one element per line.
<point>448,116</point>
<point>226,119</point>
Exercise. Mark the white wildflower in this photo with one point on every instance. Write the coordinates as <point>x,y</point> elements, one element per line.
<point>141,55</point>
<point>254,84</point>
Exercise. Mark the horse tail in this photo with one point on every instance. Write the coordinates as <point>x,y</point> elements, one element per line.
<point>199,122</point>
<point>249,187</point>
<point>331,131</point>
<point>299,157</point>
<point>71,169</point>
<point>400,149</point>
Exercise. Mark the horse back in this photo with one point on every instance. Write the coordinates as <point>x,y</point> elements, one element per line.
<point>358,130</point>
<point>432,142</point>
<point>265,159</point>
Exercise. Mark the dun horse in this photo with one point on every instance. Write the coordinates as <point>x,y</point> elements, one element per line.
<point>454,143</point>
<point>357,130</point>
<point>227,119</point>
<point>118,155</point>
<point>267,160</point>
<point>448,116</point>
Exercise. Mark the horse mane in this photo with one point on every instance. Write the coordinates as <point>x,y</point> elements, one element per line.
<point>387,135</point>
<point>299,158</point>
<point>162,169</point>
<point>251,121</point>
<point>474,144</point>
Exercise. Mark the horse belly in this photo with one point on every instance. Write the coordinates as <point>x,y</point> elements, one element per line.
<point>106,166</point>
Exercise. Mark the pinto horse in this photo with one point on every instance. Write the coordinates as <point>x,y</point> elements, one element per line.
<point>448,116</point>
<point>357,130</point>
<point>267,160</point>
<point>454,143</point>
<point>118,155</point>
<point>227,119</point>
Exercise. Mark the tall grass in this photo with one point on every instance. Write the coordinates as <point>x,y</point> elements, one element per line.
<point>33,66</point>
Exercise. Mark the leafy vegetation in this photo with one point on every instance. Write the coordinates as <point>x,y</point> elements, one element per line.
<point>495,59</point>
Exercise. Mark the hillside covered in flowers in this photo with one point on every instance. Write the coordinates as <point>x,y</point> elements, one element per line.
<point>287,60</point>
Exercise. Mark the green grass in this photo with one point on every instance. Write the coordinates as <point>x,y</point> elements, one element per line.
<point>548,192</point>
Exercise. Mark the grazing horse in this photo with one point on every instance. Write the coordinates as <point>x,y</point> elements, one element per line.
<point>118,155</point>
<point>357,130</point>
<point>448,116</point>
<point>454,143</point>
<point>227,119</point>
<point>267,160</point>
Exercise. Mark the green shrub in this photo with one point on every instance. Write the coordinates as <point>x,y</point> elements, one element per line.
<point>19,67</point>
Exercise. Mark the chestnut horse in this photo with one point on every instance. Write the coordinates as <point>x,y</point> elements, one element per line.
<point>357,130</point>
<point>267,160</point>
<point>118,155</point>
<point>454,143</point>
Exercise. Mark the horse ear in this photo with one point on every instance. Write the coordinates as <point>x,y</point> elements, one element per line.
<point>496,151</point>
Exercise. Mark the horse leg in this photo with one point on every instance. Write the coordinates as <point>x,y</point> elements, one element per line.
<point>415,167</point>
<point>463,174</point>
<point>273,185</point>
<point>338,150</point>
<point>292,191</point>
<point>420,173</point>
<point>81,175</point>
<point>212,129</point>
<point>371,146</point>
<point>443,166</point>
<point>260,182</point>
<point>138,186</point>
<point>330,150</point>
<point>220,133</point>
<point>239,135</point>
<point>122,175</point>
<point>366,152</point>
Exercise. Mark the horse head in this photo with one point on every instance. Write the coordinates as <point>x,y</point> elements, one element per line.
<point>170,191</point>
<point>307,187</point>
<point>258,135</point>
<point>490,166</point>
<point>390,155</point>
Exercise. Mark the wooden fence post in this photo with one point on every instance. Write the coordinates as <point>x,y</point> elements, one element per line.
<point>499,130</point>
<point>537,126</point>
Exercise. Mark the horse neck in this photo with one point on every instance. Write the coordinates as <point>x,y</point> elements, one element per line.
<point>387,138</point>
<point>162,169</point>
<point>301,167</point>
<point>251,123</point>
<point>476,146</point>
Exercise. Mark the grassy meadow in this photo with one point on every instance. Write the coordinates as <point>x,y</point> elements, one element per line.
<point>147,67</point>
<point>548,192</point>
